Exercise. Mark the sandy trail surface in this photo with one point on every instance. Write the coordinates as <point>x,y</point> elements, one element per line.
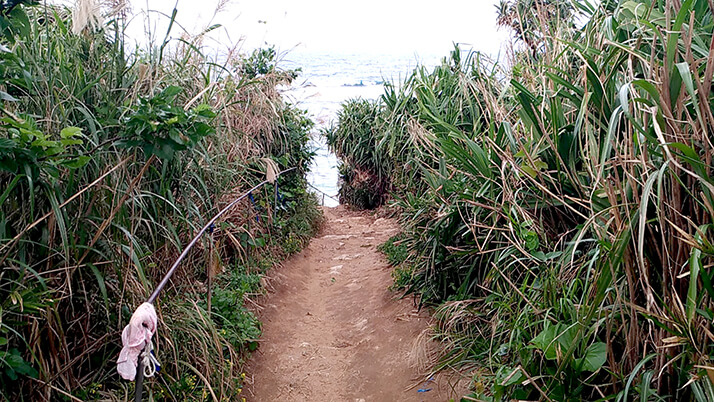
<point>332,330</point>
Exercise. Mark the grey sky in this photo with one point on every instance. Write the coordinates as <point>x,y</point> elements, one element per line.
<point>366,26</point>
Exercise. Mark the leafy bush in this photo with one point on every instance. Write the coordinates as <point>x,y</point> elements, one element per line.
<point>237,324</point>
<point>159,127</point>
<point>397,254</point>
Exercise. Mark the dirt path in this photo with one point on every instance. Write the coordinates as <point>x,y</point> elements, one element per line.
<point>332,330</point>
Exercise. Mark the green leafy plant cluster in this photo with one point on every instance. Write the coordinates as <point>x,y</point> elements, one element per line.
<point>160,127</point>
<point>238,325</point>
<point>559,211</point>
<point>397,254</point>
<point>29,151</point>
<point>394,249</point>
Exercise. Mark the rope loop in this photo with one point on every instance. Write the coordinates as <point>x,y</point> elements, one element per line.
<point>149,361</point>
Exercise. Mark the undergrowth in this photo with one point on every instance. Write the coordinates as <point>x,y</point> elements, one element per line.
<point>397,253</point>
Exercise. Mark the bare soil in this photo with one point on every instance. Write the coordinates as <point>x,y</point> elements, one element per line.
<point>333,331</point>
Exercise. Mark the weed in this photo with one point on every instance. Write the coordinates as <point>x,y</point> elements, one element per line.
<point>394,249</point>
<point>397,254</point>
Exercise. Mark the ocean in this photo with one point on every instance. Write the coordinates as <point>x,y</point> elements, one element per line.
<point>329,79</point>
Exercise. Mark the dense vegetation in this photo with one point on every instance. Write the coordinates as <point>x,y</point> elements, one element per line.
<point>111,160</point>
<point>364,173</point>
<point>559,212</point>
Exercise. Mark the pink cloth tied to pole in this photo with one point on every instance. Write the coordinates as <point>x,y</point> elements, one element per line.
<point>135,336</point>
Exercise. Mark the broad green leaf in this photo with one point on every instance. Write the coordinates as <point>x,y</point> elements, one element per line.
<point>595,357</point>
<point>69,142</point>
<point>686,75</point>
<point>554,338</point>
<point>176,136</point>
<point>171,91</point>
<point>77,162</point>
<point>649,88</point>
<point>529,170</point>
<point>507,375</point>
<point>695,265</point>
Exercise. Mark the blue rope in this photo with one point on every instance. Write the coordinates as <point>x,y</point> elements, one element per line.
<point>252,201</point>
<point>281,200</point>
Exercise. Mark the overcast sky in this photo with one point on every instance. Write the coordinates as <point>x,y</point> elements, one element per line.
<point>366,26</point>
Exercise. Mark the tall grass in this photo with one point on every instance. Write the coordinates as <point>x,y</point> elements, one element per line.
<point>364,173</point>
<point>565,228</point>
<point>110,160</point>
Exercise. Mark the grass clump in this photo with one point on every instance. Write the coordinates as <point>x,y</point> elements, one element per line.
<point>397,254</point>
<point>394,249</point>
<point>364,175</point>
<point>557,211</point>
<point>111,159</point>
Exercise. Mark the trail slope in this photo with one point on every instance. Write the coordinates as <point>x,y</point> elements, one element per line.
<point>332,330</point>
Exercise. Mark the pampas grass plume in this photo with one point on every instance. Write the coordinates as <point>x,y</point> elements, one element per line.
<point>86,13</point>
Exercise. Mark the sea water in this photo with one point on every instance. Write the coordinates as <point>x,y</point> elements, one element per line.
<point>326,81</point>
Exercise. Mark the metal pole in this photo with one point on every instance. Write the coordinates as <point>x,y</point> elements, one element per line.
<point>183,255</point>
<point>209,273</point>
<point>139,379</point>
